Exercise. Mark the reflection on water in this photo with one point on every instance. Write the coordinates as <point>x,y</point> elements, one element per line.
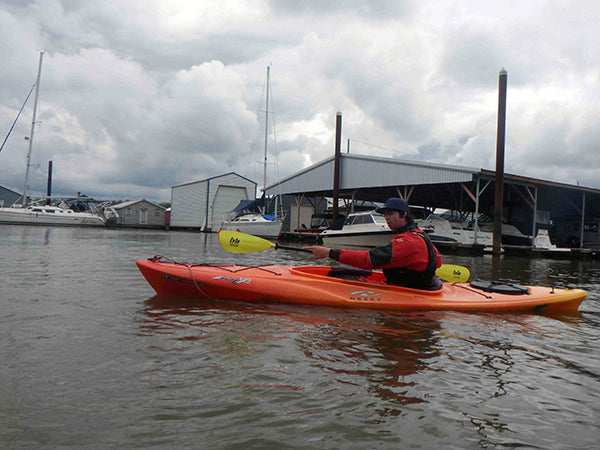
<point>382,353</point>
<point>375,365</point>
<point>94,358</point>
<point>374,351</point>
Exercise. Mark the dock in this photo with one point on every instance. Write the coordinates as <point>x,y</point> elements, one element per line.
<point>300,236</point>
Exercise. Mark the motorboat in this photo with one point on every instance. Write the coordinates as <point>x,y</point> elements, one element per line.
<point>448,228</point>
<point>444,231</point>
<point>361,229</point>
<point>369,229</point>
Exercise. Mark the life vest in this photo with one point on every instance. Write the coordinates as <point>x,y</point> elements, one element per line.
<point>416,279</point>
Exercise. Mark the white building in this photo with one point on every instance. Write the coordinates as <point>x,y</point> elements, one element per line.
<point>202,204</point>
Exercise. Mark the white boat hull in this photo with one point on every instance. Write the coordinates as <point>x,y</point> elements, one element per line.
<point>363,229</point>
<point>48,216</point>
<point>445,232</point>
<point>372,233</point>
<point>360,239</point>
<point>254,224</point>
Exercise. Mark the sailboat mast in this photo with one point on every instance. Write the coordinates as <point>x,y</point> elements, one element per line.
<point>35,104</point>
<point>266,128</point>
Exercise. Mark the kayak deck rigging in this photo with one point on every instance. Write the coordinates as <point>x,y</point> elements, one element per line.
<point>227,267</point>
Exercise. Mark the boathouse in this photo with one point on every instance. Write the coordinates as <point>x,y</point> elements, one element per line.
<point>200,205</point>
<point>530,204</point>
<point>139,214</point>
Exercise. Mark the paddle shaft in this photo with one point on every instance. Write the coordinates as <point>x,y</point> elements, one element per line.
<point>290,247</point>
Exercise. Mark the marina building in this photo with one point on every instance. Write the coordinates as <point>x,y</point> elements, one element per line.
<point>201,205</point>
<point>139,213</point>
<point>571,213</point>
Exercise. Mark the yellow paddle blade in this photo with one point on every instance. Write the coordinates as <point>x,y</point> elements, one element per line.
<point>236,242</point>
<point>452,273</point>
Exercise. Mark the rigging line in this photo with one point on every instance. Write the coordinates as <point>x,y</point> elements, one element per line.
<point>17,118</point>
<point>372,145</point>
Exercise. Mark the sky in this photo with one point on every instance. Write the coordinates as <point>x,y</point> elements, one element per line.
<point>137,96</point>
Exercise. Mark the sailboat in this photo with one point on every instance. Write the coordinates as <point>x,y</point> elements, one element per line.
<point>249,216</point>
<point>34,214</point>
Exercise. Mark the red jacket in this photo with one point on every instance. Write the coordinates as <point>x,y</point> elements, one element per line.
<point>406,253</point>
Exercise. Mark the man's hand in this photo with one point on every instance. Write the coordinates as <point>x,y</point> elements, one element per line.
<point>318,251</point>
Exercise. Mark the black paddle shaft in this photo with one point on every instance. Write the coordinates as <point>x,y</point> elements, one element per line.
<point>289,247</point>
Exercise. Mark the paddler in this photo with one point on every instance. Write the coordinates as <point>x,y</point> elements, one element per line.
<point>409,259</point>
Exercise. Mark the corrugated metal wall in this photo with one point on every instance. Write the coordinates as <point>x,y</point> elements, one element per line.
<point>188,205</point>
<point>192,203</point>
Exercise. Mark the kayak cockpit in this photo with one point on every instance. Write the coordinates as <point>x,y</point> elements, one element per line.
<point>340,273</point>
<point>356,276</point>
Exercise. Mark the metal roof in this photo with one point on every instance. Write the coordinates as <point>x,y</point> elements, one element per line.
<point>8,196</point>
<point>216,177</point>
<point>133,202</point>
<point>363,172</point>
<point>437,186</point>
<point>518,179</point>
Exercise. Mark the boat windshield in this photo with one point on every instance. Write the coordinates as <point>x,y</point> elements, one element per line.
<point>379,218</point>
<point>361,219</point>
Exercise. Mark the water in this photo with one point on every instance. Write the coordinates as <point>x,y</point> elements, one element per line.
<point>93,359</point>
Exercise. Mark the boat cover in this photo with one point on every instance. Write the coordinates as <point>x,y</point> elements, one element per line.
<point>250,205</point>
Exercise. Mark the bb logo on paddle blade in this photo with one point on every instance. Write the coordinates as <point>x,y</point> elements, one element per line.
<point>234,242</point>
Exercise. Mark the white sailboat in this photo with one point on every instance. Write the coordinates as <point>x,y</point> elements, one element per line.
<point>24,214</point>
<point>249,216</point>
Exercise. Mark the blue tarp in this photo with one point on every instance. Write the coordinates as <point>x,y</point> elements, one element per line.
<point>249,205</point>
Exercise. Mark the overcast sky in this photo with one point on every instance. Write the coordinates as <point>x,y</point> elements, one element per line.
<point>137,96</point>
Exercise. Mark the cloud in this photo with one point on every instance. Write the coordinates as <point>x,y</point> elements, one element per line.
<point>382,9</point>
<point>139,96</point>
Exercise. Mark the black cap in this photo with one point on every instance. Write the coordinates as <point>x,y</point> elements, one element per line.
<point>395,204</point>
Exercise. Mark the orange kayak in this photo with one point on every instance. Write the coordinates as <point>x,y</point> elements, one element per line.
<point>310,285</point>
